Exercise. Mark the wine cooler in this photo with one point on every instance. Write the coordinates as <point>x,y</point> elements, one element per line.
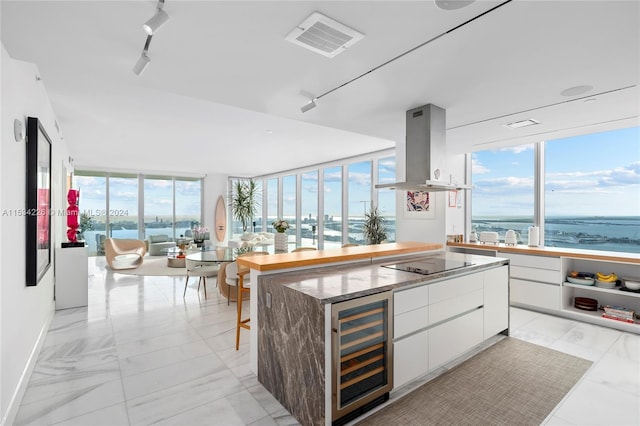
<point>362,354</point>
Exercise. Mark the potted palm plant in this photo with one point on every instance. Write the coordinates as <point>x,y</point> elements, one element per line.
<point>373,229</point>
<point>244,203</point>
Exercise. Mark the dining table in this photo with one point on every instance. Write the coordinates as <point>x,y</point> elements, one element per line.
<point>218,255</point>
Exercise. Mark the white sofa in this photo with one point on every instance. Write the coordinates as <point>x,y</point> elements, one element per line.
<point>158,243</point>
<point>251,239</point>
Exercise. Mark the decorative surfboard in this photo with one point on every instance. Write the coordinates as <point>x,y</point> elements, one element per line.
<point>221,219</point>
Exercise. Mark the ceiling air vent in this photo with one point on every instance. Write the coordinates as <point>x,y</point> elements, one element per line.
<point>323,35</point>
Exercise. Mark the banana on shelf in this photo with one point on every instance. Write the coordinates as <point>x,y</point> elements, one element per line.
<point>607,278</point>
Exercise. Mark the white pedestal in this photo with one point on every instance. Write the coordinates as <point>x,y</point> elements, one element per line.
<point>72,272</point>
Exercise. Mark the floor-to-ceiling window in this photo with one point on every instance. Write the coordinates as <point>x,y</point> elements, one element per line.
<point>135,206</point>
<point>158,206</point>
<point>93,209</point>
<point>272,202</point>
<point>188,204</point>
<point>123,206</point>
<point>332,193</point>
<point>289,205</point>
<point>589,186</point>
<point>592,191</point>
<point>387,197</point>
<point>503,190</point>
<point>359,196</point>
<point>309,208</point>
<point>326,204</point>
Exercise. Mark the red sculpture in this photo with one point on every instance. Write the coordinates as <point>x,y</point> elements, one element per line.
<point>73,197</point>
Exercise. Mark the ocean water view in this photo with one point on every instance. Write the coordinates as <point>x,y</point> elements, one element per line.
<point>610,233</point>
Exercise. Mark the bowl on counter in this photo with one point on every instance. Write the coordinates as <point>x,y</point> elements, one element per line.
<point>631,283</point>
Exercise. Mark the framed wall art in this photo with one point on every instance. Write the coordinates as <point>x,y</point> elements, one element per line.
<point>38,208</point>
<point>418,205</point>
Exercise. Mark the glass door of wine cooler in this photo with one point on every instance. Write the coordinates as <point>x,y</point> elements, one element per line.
<point>362,352</point>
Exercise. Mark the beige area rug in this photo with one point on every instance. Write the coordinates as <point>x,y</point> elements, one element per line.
<point>511,383</point>
<point>153,266</point>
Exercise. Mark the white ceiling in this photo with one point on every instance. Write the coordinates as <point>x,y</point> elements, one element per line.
<point>223,91</point>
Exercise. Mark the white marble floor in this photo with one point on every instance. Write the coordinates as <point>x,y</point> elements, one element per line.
<point>141,354</point>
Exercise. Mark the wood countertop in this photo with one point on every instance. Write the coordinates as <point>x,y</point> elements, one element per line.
<point>319,257</point>
<point>609,256</point>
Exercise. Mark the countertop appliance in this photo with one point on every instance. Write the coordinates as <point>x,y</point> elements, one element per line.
<point>511,238</point>
<point>489,238</point>
<point>429,266</point>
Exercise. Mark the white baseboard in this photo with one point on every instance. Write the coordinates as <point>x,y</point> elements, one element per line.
<point>12,410</point>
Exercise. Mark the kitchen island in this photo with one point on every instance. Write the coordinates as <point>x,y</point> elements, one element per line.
<point>333,340</point>
<point>277,263</point>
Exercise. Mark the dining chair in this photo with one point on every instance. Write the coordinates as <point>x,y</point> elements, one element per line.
<point>303,249</point>
<point>199,269</point>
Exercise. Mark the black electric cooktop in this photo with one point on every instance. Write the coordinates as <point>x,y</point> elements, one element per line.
<point>429,266</point>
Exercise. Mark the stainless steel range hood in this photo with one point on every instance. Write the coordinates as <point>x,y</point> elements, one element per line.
<point>425,152</point>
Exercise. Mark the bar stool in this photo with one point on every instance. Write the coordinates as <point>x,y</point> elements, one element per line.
<point>243,286</point>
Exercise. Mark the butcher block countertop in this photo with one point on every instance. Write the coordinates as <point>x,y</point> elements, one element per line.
<point>319,257</point>
<point>608,256</point>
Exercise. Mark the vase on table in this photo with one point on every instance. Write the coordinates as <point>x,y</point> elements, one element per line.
<point>199,242</point>
<point>280,242</point>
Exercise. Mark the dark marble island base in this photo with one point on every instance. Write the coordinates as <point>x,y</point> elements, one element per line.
<point>291,350</point>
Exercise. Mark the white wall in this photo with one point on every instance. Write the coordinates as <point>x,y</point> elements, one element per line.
<point>25,312</point>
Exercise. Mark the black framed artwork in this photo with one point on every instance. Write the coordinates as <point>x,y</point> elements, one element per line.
<point>38,208</point>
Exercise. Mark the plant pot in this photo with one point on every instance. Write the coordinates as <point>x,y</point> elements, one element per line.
<point>280,242</point>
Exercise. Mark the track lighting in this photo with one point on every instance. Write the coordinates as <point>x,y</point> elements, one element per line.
<point>141,65</point>
<point>309,105</point>
<point>156,21</point>
<point>144,59</point>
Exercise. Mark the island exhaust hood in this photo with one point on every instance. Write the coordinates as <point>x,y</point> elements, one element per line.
<point>425,151</point>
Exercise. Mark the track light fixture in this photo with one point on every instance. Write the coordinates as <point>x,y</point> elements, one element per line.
<point>150,27</point>
<point>141,65</point>
<point>157,20</point>
<point>309,105</point>
<point>144,59</point>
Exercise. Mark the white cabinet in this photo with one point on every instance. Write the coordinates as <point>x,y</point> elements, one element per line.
<point>453,338</point>
<point>535,281</point>
<point>538,282</point>
<point>410,358</point>
<point>72,272</point>
<point>436,322</point>
<point>410,322</point>
<point>496,301</point>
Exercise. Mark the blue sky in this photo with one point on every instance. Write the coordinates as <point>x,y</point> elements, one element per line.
<point>597,174</point>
